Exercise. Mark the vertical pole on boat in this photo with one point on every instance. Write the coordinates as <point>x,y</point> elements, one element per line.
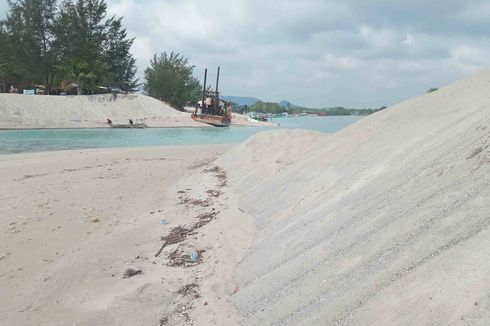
<point>216,105</point>
<point>204,90</point>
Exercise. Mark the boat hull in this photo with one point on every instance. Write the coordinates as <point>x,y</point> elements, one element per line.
<point>135,126</point>
<point>215,120</point>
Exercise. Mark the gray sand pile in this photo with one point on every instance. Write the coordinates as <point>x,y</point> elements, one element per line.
<point>23,111</point>
<point>384,222</point>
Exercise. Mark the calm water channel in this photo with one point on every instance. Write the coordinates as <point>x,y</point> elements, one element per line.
<point>19,141</point>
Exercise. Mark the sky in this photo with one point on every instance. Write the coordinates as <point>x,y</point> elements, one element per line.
<point>317,53</point>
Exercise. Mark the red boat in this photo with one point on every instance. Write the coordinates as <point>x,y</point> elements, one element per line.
<point>212,110</point>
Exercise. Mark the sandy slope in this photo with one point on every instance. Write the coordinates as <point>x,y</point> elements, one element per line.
<point>72,222</point>
<point>22,111</point>
<point>383,223</point>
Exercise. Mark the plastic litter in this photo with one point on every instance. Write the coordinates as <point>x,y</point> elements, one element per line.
<point>194,256</point>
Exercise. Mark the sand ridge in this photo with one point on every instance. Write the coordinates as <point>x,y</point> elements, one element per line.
<point>383,222</point>
<point>91,111</point>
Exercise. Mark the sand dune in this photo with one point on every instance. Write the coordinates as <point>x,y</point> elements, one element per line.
<point>91,111</point>
<point>384,222</point>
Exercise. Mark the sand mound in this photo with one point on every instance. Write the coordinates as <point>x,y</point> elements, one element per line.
<point>22,111</point>
<point>384,222</point>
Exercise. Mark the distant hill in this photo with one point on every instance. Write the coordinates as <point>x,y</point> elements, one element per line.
<point>242,100</point>
<point>284,103</point>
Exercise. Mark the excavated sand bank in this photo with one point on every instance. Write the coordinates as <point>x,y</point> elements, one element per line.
<point>383,223</point>
<point>91,111</point>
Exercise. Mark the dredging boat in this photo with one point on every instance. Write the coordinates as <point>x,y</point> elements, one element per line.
<point>211,109</point>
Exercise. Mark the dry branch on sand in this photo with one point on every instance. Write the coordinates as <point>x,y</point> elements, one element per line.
<point>180,233</point>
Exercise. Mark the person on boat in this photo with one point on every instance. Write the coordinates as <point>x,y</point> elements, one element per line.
<point>130,121</point>
<point>109,121</point>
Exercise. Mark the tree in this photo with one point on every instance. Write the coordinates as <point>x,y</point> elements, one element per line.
<point>170,79</point>
<point>41,42</point>
<point>29,27</point>
<point>80,34</point>
<point>120,64</point>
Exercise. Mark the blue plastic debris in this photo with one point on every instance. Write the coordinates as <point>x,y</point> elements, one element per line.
<point>194,256</point>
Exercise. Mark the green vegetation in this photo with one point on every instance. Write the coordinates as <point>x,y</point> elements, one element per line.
<point>169,78</point>
<point>267,107</point>
<point>276,108</point>
<point>72,43</point>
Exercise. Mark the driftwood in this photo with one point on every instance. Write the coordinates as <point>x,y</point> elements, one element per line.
<point>180,233</point>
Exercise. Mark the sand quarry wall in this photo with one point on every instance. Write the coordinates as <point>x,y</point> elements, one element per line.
<point>385,222</point>
<point>23,111</point>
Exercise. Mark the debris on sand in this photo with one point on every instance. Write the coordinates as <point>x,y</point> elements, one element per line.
<point>214,193</point>
<point>214,169</point>
<point>201,202</point>
<point>179,316</point>
<point>204,219</point>
<point>219,173</point>
<point>177,258</point>
<point>195,202</point>
<point>131,272</point>
<point>180,233</point>
<point>176,235</point>
<point>190,289</point>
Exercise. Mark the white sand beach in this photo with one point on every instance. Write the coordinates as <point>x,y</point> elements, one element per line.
<point>91,111</point>
<point>73,222</point>
<point>385,222</point>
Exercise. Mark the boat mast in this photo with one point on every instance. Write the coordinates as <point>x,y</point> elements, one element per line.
<point>204,90</point>
<point>217,93</point>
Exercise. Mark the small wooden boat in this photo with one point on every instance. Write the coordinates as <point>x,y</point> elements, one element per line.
<point>134,125</point>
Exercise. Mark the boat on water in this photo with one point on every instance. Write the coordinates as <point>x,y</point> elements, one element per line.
<point>129,125</point>
<point>134,125</point>
<point>259,116</point>
<point>211,109</point>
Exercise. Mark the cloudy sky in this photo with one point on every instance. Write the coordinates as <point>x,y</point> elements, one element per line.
<point>363,53</point>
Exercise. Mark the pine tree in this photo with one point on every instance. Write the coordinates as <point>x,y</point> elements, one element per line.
<point>41,42</point>
<point>29,27</point>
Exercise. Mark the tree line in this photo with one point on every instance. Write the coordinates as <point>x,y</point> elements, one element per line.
<point>74,47</point>
<point>73,42</point>
<point>276,108</point>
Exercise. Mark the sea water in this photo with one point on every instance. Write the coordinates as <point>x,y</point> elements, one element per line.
<point>39,140</point>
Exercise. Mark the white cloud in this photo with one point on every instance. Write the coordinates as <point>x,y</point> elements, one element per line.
<point>317,52</point>
<point>408,41</point>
